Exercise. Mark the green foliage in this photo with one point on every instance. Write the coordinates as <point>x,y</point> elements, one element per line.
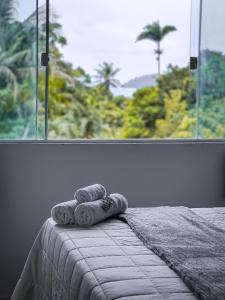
<point>17,73</point>
<point>212,74</point>
<point>179,79</point>
<point>176,123</point>
<point>142,111</point>
<point>7,10</point>
<point>80,108</point>
<point>212,120</point>
<point>211,110</point>
<point>106,76</point>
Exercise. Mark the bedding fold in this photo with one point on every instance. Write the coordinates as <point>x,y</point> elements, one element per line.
<point>190,245</point>
<point>90,193</point>
<point>63,213</point>
<point>91,213</point>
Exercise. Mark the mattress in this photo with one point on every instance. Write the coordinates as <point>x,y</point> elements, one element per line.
<point>106,261</point>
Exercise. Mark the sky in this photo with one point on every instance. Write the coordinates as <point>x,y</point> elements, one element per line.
<point>106,30</point>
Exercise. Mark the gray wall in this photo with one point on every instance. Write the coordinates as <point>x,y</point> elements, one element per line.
<point>34,177</point>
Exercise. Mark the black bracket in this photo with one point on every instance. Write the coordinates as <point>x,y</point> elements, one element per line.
<point>44,59</point>
<point>193,63</point>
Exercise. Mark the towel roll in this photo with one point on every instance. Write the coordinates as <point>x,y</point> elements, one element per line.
<point>63,213</point>
<point>90,193</point>
<point>90,213</point>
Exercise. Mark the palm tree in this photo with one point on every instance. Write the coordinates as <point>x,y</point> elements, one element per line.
<point>58,68</point>
<point>154,32</point>
<point>8,61</point>
<point>7,13</point>
<point>16,58</point>
<point>7,10</point>
<point>7,73</point>
<point>106,75</point>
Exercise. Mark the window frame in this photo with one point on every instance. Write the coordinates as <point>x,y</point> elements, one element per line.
<point>117,142</point>
<point>135,141</point>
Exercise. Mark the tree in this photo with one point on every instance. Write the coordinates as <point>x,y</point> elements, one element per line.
<point>7,12</point>
<point>141,113</point>
<point>16,65</point>
<point>176,122</point>
<point>112,116</point>
<point>211,120</point>
<point>177,78</point>
<point>154,32</point>
<point>106,76</point>
<point>17,88</point>
<point>212,74</point>
<point>7,74</point>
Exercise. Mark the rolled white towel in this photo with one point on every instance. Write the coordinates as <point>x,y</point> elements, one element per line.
<point>63,213</point>
<point>90,193</point>
<point>90,213</point>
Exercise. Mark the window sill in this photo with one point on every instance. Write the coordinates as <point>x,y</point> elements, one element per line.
<point>116,142</point>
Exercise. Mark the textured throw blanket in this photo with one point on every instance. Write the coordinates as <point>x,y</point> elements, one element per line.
<point>188,243</point>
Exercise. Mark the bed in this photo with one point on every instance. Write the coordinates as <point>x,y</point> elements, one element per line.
<point>106,261</point>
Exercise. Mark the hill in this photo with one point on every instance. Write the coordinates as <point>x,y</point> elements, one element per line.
<point>142,81</point>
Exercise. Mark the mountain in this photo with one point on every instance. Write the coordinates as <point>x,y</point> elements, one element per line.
<point>142,81</point>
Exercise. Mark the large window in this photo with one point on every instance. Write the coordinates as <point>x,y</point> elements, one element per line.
<point>117,70</point>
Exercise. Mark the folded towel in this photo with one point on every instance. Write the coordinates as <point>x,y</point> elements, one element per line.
<point>90,213</point>
<point>90,193</point>
<point>63,213</point>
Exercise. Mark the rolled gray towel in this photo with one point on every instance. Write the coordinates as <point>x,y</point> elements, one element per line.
<point>90,213</point>
<point>90,193</point>
<point>63,213</point>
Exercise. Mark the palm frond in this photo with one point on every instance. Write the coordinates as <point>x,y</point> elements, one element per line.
<point>5,72</point>
<point>155,32</point>
<point>7,11</point>
<point>25,71</point>
<point>116,71</point>
<point>19,58</point>
<point>167,29</point>
<point>105,75</point>
<point>58,72</point>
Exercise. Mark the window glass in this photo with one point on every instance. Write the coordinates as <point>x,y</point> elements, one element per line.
<point>120,70</point>
<point>18,69</point>
<point>211,121</point>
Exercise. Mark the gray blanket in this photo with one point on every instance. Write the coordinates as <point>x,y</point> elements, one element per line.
<point>188,243</point>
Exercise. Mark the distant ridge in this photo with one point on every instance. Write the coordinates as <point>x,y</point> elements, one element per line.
<point>142,81</point>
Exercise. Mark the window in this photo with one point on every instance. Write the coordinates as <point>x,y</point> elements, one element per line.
<point>117,70</point>
<point>109,85</point>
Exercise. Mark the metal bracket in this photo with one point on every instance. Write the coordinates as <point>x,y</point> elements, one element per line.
<point>193,63</point>
<point>44,59</point>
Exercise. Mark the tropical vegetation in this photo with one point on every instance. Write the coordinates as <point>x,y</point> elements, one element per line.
<point>82,106</point>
